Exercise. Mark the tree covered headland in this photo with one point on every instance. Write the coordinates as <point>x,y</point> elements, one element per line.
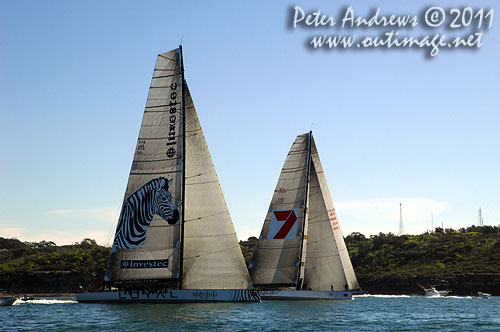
<point>465,260</point>
<point>441,254</point>
<point>86,256</point>
<point>44,267</point>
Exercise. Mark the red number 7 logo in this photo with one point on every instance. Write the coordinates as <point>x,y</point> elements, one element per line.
<point>289,217</point>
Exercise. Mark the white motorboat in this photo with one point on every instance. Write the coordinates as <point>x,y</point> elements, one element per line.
<point>483,295</point>
<point>433,292</point>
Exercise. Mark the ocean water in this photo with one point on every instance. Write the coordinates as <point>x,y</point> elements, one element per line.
<point>364,313</point>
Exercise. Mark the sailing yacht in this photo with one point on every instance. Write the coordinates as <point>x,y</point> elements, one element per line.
<point>175,241</point>
<point>301,253</point>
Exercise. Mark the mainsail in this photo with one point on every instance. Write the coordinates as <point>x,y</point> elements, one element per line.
<point>174,225</point>
<point>276,259</point>
<point>314,241</point>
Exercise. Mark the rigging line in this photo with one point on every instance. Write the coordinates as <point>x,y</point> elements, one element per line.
<point>113,225</point>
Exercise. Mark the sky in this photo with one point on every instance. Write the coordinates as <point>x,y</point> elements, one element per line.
<point>391,125</point>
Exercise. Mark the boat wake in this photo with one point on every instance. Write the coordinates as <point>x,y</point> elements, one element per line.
<point>448,297</point>
<point>380,295</point>
<point>44,301</point>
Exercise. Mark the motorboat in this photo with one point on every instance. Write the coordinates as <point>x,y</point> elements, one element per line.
<point>483,295</point>
<point>433,292</point>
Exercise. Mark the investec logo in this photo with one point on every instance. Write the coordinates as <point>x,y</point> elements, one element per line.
<point>144,264</point>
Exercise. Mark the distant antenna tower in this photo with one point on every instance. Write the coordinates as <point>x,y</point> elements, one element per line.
<point>400,219</point>
<point>480,219</point>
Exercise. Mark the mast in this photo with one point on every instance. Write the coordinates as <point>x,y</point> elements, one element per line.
<point>183,176</point>
<point>400,219</point>
<point>302,256</point>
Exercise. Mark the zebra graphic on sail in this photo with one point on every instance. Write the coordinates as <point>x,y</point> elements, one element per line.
<point>138,210</point>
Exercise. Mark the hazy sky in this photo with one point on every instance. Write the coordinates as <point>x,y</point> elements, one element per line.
<point>391,125</point>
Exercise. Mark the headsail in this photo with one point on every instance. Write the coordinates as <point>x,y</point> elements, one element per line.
<point>277,260</point>
<point>146,246</point>
<point>328,264</point>
<point>212,255</point>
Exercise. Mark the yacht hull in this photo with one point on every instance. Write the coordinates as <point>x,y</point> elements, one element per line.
<point>288,294</point>
<point>171,296</point>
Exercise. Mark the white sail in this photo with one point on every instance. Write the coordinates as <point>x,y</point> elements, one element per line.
<point>147,239</point>
<point>276,259</point>
<point>160,237</point>
<point>325,256</point>
<point>212,255</point>
<point>328,263</point>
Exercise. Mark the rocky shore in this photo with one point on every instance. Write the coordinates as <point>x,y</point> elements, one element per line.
<point>460,285</point>
<point>61,283</point>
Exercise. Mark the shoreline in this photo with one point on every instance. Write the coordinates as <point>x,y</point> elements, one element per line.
<point>35,295</point>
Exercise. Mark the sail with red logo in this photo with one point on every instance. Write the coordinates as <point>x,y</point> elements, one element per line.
<point>301,253</point>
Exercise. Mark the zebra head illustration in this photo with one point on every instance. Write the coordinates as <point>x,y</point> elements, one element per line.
<point>166,206</point>
<point>138,210</point>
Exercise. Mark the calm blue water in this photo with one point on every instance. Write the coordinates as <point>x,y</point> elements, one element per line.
<point>367,313</point>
